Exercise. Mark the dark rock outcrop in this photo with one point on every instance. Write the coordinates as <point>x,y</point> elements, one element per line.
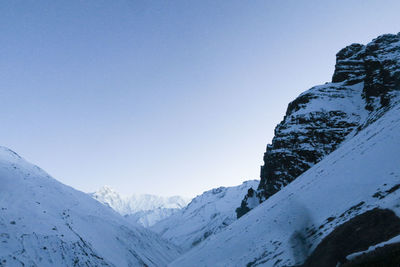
<point>388,256</point>
<point>358,234</point>
<point>365,82</point>
<point>376,64</point>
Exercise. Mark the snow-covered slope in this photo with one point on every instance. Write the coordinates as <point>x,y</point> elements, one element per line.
<point>144,209</point>
<point>46,223</point>
<point>363,173</point>
<point>205,215</point>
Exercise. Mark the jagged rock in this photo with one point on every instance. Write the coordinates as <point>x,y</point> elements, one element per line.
<point>365,82</point>
<point>349,66</point>
<point>376,64</point>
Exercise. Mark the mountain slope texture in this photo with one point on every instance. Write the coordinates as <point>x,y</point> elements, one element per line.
<point>46,223</point>
<point>365,83</point>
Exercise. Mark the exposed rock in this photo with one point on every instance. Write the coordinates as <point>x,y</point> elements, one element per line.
<point>349,66</point>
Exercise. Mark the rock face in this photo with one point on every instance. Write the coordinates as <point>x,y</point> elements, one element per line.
<point>376,64</point>
<point>365,83</point>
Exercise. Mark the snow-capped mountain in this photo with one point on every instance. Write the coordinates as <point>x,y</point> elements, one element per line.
<point>205,215</point>
<point>143,209</point>
<point>46,223</point>
<point>341,205</point>
<point>365,82</point>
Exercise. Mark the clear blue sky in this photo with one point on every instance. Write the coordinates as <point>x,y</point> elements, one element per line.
<point>165,97</point>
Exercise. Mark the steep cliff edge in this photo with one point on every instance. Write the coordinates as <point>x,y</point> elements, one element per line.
<point>365,83</point>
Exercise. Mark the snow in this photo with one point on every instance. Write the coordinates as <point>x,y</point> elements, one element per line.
<point>330,193</point>
<point>335,96</point>
<point>205,215</point>
<point>134,203</point>
<point>148,218</point>
<point>46,223</point>
<point>394,240</point>
<point>144,209</point>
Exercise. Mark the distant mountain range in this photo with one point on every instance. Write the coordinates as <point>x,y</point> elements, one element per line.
<point>143,209</point>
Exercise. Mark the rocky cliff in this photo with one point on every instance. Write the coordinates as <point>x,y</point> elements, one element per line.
<point>366,81</point>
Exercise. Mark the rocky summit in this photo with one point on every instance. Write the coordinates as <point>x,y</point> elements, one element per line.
<point>365,83</point>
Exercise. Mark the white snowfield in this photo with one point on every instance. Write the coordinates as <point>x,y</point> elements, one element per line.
<point>144,209</point>
<point>279,231</point>
<point>46,223</point>
<point>205,215</point>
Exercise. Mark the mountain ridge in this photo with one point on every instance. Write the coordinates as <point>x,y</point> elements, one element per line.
<point>365,81</point>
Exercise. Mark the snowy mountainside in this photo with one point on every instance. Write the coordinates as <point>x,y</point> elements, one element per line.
<point>46,223</point>
<point>143,209</point>
<point>365,82</point>
<point>205,215</point>
<point>360,175</point>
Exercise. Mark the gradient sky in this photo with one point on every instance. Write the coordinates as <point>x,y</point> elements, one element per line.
<point>165,97</point>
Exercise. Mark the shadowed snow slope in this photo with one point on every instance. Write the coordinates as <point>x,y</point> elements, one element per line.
<point>205,215</point>
<point>46,223</point>
<point>363,173</point>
